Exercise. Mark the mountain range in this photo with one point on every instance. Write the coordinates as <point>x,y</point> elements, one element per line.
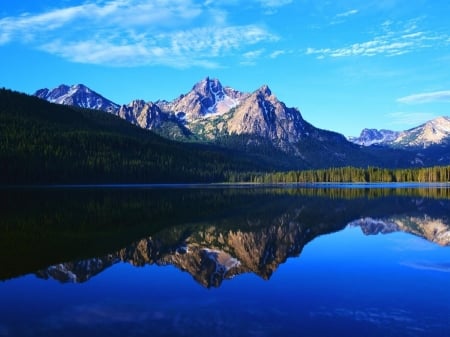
<point>258,122</point>
<point>208,112</point>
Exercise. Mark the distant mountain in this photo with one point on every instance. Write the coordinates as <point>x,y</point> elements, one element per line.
<point>78,95</point>
<point>433,132</point>
<point>370,137</point>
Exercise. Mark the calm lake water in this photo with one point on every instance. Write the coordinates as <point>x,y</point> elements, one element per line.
<point>225,261</point>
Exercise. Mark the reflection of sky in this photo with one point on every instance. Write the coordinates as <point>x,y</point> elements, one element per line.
<point>342,284</point>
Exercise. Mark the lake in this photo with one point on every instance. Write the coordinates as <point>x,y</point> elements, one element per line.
<point>225,261</point>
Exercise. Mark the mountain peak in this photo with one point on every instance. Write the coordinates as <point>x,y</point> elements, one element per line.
<point>207,97</point>
<point>442,121</point>
<point>209,88</point>
<point>374,137</point>
<point>77,95</point>
<point>435,131</point>
<point>265,90</point>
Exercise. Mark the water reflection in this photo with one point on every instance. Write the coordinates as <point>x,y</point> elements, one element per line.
<point>213,234</point>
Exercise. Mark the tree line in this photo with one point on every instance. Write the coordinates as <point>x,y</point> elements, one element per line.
<point>349,174</point>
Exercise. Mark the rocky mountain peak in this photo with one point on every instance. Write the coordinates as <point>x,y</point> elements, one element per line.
<point>207,97</point>
<point>77,95</point>
<point>209,87</point>
<point>435,131</point>
<point>373,136</point>
<point>432,132</point>
<point>264,91</point>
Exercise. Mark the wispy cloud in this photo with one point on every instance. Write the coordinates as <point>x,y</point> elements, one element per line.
<point>277,53</point>
<point>177,33</point>
<point>348,13</point>
<point>274,3</point>
<point>249,58</point>
<point>271,6</point>
<point>436,96</point>
<point>390,42</point>
<point>410,118</point>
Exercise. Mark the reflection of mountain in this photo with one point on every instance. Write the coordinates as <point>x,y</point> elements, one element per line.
<point>215,252</point>
<point>210,254</point>
<point>433,229</point>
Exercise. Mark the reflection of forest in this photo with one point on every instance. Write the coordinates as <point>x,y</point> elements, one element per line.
<point>213,233</point>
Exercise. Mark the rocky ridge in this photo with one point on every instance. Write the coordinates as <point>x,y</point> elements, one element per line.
<point>370,137</point>
<point>78,95</point>
<point>433,132</point>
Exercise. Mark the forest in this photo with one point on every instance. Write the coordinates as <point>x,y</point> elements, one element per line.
<point>349,174</point>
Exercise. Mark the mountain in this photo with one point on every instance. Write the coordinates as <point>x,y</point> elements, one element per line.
<point>370,137</point>
<point>149,116</point>
<point>206,99</point>
<point>77,95</point>
<point>433,132</point>
<point>216,113</point>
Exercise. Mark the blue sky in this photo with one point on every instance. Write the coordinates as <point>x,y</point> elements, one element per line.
<point>346,65</point>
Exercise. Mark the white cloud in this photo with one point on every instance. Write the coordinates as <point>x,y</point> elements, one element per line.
<point>277,53</point>
<point>274,3</point>
<point>180,49</point>
<point>410,118</point>
<point>135,32</point>
<point>436,96</point>
<point>348,13</point>
<point>389,43</point>
<point>250,57</point>
<point>253,54</point>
